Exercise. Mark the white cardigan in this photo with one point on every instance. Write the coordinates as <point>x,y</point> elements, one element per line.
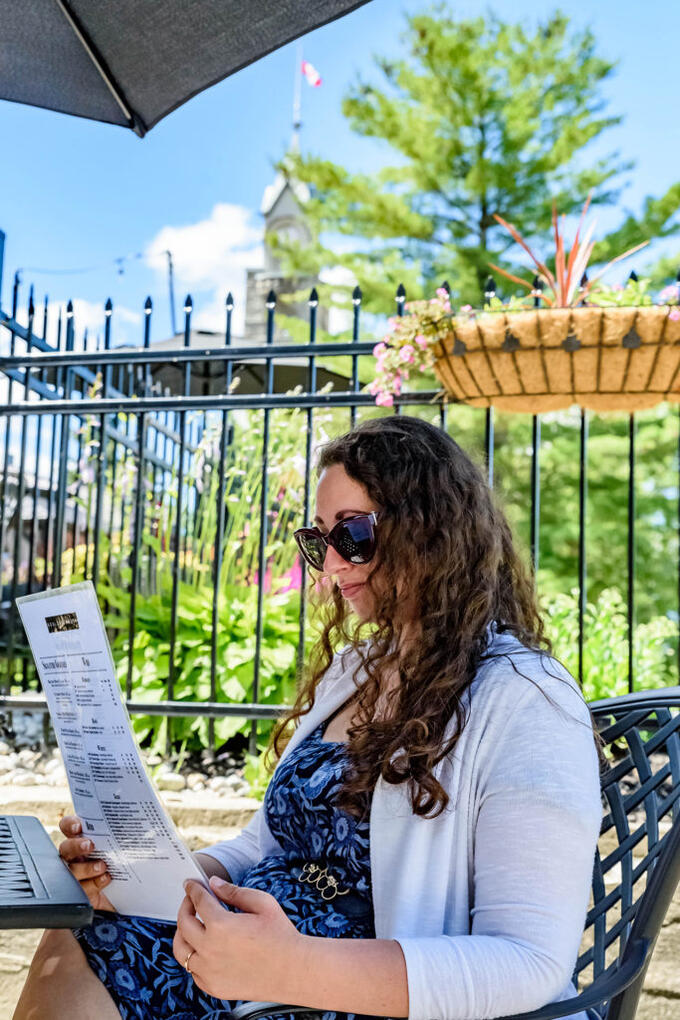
<point>488,900</point>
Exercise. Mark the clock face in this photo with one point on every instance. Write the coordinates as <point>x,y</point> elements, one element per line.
<point>289,230</point>
<point>293,232</point>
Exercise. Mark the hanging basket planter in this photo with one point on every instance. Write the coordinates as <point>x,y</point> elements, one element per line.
<point>604,359</point>
<point>604,348</point>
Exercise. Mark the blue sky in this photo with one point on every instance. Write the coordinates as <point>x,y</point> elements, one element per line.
<point>76,194</point>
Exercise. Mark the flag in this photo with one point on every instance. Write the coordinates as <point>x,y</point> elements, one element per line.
<point>311,74</point>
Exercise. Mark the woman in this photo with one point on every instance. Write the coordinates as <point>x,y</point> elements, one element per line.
<point>426,844</point>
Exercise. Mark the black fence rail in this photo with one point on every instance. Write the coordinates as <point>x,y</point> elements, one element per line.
<point>177,501</point>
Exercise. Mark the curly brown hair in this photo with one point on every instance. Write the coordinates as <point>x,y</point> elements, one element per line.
<point>439,516</point>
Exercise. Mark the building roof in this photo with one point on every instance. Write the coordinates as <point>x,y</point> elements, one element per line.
<point>274,192</point>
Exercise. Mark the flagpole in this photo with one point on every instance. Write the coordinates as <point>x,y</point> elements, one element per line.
<point>297,98</point>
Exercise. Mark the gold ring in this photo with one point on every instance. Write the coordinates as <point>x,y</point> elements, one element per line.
<point>186,962</point>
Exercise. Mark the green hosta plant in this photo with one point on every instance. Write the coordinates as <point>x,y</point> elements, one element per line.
<point>235,655</point>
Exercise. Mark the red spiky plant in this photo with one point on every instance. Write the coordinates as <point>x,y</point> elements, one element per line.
<point>565,282</point>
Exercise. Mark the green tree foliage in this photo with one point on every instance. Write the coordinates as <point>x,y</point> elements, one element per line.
<point>483,117</point>
<point>606,519</point>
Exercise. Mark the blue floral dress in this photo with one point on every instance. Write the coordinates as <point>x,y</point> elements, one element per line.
<point>132,956</point>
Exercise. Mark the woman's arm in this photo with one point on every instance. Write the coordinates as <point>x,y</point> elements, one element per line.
<point>539,815</point>
<point>212,866</point>
<point>232,857</point>
<point>347,975</point>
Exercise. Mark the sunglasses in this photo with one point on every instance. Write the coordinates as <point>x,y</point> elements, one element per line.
<point>353,539</point>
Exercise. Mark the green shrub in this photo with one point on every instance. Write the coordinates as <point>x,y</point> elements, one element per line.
<point>605,645</point>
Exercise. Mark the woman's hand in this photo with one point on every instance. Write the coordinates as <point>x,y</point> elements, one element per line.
<point>91,874</point>
<point>235,956</point>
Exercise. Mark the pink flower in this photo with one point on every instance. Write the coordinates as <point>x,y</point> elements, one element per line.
<point>292,579</point>
<point>380,350</point>
<point>442,293</point>
<point>674,313</point>
<point>374,387</point>
<point>466,308</point>
<point>406,354</point>
<point>267,579</point>
<point>397,384</point>
<point>393,321</point>
<point>669,293</point>
<point>421,341</point>
<point>384,399</point>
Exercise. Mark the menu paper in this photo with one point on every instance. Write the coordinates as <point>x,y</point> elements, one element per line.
<point>111,791</point>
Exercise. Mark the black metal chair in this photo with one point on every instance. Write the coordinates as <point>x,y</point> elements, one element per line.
<point>633,884</point>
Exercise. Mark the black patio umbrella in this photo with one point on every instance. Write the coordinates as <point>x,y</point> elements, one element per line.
<point>131,62</point>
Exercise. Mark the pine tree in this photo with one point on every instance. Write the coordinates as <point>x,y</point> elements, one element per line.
<point>484,117</point>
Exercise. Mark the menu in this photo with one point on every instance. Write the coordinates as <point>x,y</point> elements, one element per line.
<point>112,794</point>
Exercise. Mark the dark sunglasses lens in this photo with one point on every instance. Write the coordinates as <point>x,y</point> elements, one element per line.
<point>355,540</point>
<point>313,548</point>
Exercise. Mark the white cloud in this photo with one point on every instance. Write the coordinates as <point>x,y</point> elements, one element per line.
<point>89,315</point>
<point>211,256</point>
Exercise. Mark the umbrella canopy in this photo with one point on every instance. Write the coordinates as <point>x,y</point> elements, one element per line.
<point>132,62</point>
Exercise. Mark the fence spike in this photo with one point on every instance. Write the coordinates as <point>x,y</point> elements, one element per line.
<point>271,300</point>
<point>633,278</point>
<point>31,306</point>
<point>188,303</point>
<point>148,306</point>
<point>447,287</point>
<point>356,296</point>
<point>108,307</point>
<point>313,298</point>
<point>401,292</point>
<point>489,288</point>
<point>230,302</point>
<point>69,309</point>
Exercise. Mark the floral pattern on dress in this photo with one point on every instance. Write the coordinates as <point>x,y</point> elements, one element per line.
<point>133,957</point>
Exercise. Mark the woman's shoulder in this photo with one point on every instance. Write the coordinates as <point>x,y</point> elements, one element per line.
<point>344,663</point>
<point>512,674</point>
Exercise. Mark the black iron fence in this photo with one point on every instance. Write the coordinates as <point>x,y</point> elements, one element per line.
<point>150,471</point>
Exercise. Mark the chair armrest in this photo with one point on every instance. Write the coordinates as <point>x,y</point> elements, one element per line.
<point>255,1010</point>
<point>602,990</point>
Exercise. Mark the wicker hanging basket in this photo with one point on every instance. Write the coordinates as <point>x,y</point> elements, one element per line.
<point>605,359</point>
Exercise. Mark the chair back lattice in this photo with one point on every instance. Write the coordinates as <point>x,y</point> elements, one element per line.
<point>637,862</point>
<point>641,810</point>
